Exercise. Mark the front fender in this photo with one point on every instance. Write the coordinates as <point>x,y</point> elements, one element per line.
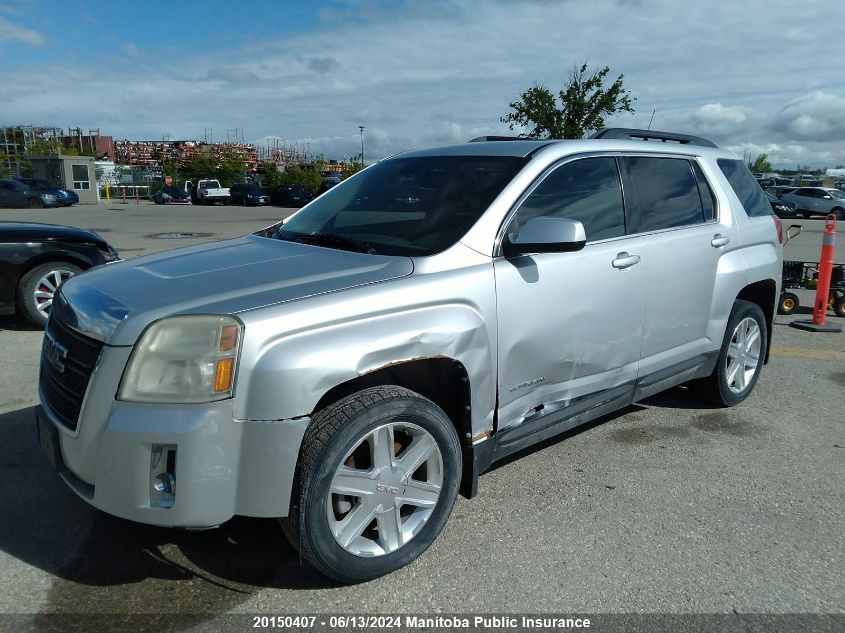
<point>283,376</point>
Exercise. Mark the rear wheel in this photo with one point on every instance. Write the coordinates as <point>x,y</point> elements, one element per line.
<point>788,303</point>
<point>740,358</point>
<point>839,213</point>
<point>379,474</point>
<point>38,287</point>
<point>839,305</point>
<point>35,203</point>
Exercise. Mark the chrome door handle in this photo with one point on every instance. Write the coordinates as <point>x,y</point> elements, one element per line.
<point>719,241</point>
<point>623,260</point>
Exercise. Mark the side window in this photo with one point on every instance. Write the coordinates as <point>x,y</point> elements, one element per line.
<point>708,200</point>
<point>664,194</point>
<point>807,193</point>
<point>745,187</point>
<point>588,190</point>
<point>80,177</point>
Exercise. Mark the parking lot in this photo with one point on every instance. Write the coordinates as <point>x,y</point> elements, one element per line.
<point>668,506</point>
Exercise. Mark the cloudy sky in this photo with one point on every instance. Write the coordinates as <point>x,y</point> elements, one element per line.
<point>753,75</point>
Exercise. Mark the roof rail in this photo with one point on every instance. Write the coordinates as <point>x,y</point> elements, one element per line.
<point>647,135</point>
<point>483,139</point>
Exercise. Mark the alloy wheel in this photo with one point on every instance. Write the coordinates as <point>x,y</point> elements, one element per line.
<point>743,355</point>
<point>385,489</point>
<point>46,288</point>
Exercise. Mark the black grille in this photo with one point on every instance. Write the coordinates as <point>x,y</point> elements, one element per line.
<point>64,390</point>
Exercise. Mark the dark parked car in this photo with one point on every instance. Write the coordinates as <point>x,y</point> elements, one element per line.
<point>18,195</point>
<point>781,190</point>
<point>782,208</point>
<point>172,195</point>
<point>329,182</point>
<point>36,258</point>
<point>248,193</point>
<point>67,196</point>
<point>292,196</point>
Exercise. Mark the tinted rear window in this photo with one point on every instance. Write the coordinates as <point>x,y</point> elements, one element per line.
<point>745,187</point>
<point>664,194</point>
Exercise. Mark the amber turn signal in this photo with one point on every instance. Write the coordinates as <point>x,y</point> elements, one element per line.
<point>223,374</point>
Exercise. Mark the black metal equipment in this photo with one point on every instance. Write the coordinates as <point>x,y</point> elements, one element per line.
<point>805,275</point>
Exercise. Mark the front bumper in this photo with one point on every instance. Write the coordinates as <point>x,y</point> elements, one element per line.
<point>223,466</point>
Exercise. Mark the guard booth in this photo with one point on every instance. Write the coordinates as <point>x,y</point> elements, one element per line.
<point>75,173</point>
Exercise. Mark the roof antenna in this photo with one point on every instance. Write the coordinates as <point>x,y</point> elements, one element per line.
<point>651,120</point>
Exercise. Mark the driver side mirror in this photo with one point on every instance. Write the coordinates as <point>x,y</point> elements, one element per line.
<point>545,235</point>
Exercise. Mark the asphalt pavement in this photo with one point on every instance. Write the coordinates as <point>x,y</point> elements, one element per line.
<point>669,506</point>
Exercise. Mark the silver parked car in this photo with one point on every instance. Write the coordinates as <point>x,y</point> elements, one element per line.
<point>351,369</point>
<point>810,201</point>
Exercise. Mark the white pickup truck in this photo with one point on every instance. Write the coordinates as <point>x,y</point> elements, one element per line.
<point>208,192</point>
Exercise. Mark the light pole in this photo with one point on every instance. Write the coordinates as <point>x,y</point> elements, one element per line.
<point>361,127</point>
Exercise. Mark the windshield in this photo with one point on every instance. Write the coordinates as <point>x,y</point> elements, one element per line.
<point>407,206</point>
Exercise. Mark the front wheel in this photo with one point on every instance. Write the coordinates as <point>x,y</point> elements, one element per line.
<point>38,287</point>
<point>740,357</point>
<point>379,474</point>
<point>839,213</point>
<point>35,203</point>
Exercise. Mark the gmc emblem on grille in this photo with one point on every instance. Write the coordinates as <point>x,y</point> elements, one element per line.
<point>54,352</point>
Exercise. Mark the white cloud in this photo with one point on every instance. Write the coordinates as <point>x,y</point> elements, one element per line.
<point>421,73</point>
<point>11,32</point>
<point>819,116</point>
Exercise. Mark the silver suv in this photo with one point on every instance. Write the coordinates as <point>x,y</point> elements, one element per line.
<point>351,369</point>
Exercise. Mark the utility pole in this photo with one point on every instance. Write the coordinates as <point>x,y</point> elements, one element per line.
<point>361,127</point>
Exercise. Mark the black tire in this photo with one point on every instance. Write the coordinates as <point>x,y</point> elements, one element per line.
<point>788,303</point>
<point>839,305</point>
<point>839,213</point>
<point>26,301</point>
<point>715,387</point>
<point>35,203</point>
<point>333,432</point>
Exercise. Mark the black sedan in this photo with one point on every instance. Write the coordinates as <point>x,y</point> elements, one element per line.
<point>249,194</point>
<point>36,258</point>
<point>18,195</point>
<point>291,196</point>
<point>782,208</point>
<point>172,195</point>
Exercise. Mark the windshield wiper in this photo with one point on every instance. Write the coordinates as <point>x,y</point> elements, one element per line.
<point>326,239</point>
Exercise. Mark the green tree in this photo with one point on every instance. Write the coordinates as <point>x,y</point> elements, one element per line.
<point>580,107</point>
<point>351,168</point>
<point>761,164</point>
<point>4,168</point>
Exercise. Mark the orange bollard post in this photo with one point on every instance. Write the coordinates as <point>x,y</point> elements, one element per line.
<point>819,324</point>
<point>137,199</point>
<point>123,190</point>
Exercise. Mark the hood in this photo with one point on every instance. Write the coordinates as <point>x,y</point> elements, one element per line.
<point>115,303</point>
<point>31,232</point>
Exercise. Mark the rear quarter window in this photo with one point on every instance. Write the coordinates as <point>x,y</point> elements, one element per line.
<point>745,187</point>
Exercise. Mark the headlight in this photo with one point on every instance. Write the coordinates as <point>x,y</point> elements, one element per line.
<point>184,359</point>
<point>110,255</point>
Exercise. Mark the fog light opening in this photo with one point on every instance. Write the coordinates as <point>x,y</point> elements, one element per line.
<point>162,475</point>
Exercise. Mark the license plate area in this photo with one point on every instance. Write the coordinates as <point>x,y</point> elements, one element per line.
<point>48,438</point>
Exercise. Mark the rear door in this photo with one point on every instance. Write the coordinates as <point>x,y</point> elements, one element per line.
<point>570,324</point>
<point>673,227</point>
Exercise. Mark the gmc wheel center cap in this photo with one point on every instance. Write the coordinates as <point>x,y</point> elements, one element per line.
<point>390,483</point>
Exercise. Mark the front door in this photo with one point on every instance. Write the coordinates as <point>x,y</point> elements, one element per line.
<point>570,324</point>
